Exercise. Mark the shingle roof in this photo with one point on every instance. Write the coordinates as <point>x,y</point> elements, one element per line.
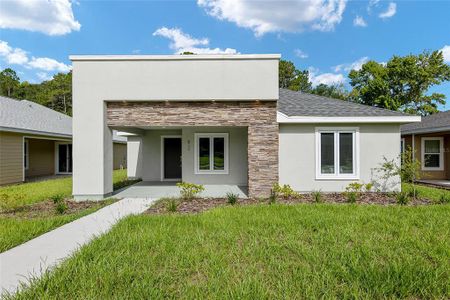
<point>29,116</point>
<point>432,123</point>
<point>293,103</point>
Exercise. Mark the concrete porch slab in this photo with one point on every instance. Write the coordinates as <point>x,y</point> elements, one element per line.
<point>157,189</point>
<point>438,183</point>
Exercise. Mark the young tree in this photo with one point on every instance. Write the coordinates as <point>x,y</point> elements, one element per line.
<point>289,77</point>
<point>9,81</point>
<point>402,83</point>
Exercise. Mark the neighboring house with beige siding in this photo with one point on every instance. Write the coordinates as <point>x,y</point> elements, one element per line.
<point>430,140</point>
<point>37,141</point>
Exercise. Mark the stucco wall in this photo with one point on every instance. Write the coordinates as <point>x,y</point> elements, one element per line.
<point>195,78</point>
<point>11,157</point>
<point>298,153</point>
<point>41,157</point>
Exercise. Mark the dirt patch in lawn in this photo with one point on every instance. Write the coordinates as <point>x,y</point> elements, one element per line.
<point>198,205</point>
<point>48,208</point>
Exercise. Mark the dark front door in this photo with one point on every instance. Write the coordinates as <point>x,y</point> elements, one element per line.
<point>172,158</point>
<point>65,158</point>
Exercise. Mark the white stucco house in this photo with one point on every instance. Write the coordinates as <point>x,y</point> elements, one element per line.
<point>220,119</point>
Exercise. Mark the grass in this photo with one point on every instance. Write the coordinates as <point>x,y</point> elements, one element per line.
<point>15,196</point>
<point>263,252</point>
<point>428,192</point>
<point>16,230</point>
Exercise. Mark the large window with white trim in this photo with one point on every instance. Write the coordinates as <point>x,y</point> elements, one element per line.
<point>337,153</point>
<point>433,153</point>
<point>211,153</point>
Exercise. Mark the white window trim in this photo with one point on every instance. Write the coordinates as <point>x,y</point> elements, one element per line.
<point>402,145</point>
<point>441,153</point>
<point>197,149</point>
<point>57,157</point>
<point>356,161</point>
<point>163,137</point>
<point>26,154</point>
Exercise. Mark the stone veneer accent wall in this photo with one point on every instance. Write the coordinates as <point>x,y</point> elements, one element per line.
<point>260,117</point>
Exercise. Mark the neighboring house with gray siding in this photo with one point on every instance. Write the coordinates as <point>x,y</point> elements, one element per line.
<point>430,140</point>
<point>221,119</point>
<point>37,141</point>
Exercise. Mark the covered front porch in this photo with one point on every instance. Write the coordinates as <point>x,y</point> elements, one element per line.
<point>158,189</point>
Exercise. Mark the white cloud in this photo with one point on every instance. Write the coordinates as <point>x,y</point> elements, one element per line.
<point>390,12</point>
<point>356,65</point>
<point>52,17</point>
<point>299,53</point>
<point>359,21</point>
<point>446,53</point>
<point>48,64</point>
<point>277,16</point>
<point>325,78</point>
<point>43,76</point>
<point>17,56</point>
<point>183,42</point>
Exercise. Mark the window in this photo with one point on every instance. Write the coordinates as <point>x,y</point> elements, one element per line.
<point>211,153</point>
<point>337,153</point>
<point>64,158</point>
<point>26,155</point>
<point>433,153</point>
<point>402,145</point>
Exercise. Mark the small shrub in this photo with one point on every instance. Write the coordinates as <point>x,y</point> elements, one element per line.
<point>61,207</point>
<point>444,199</point>
<point>368,186</point>
<point>189,191</point>
<point>285,191</point>
<point>171,204</point>
<point>317,196</point>
<point>402,198</point>
<point>57,198</point>
<point>232,198</point>
<point>352,197</point>
<point>413,193</point>
<point>273,196</point>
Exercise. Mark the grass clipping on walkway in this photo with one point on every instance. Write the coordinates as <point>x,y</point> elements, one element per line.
<point>264,251</point>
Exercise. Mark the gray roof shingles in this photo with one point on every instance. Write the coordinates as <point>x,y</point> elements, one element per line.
<point>436,122</point>
<point>24,115</point>
<point>30,116</point>
<point>293,103</point>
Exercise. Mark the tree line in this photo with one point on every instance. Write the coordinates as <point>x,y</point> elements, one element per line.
<point>401,84</point>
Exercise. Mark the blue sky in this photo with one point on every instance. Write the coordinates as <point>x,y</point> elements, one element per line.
<point>327,37</point>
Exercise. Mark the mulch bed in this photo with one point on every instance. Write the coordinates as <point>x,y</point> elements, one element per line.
<point>48,208</point>
<point>199,205</point>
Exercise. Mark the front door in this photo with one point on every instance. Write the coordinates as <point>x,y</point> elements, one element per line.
<point>171,158</point>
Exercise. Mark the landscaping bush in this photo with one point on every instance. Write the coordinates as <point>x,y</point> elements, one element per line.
<point>317,196</point>
<point>171,204</point>
<point>285,191</point>
<point>352,197</point>
<point>189,191</point>
<point>273,196</point>
<point>403,198</point>
<point>61,207</point>
<point>353,191</point>
<point>232,198</point>
<point>57,198</point>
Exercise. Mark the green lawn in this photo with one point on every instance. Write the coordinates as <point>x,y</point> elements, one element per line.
<point>16,230</point>
<point>14,196</point>
<point>427,191</point>
<point>264,252</point>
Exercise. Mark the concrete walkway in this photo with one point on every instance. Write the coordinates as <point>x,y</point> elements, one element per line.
<point>36,256</point>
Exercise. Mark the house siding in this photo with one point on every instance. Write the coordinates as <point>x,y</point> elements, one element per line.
<point>258,116</point>
<point>11,158</point>
<point>426,174</point>
<point>41,157</point>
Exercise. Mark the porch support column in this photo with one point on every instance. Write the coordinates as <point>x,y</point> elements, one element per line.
<point>262,158</point>
<point>134,157</point>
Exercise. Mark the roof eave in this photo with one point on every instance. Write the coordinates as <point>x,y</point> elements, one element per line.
<point>283,118</point>
<point>426,130</point>
<point>35,132</point>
